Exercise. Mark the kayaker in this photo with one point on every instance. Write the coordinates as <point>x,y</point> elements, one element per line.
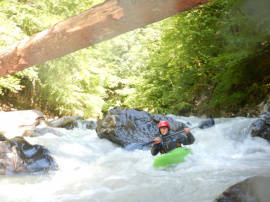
<point>167,144</point>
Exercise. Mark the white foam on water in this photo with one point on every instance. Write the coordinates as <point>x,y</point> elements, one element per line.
<point>94,169</point>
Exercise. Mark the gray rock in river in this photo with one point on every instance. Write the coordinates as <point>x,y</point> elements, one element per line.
<point>261,127</point>
<point>252,189</point>
<point>71,122</point>
<point>68,122</point>
<point>17,156</point>
<point>126,126</point>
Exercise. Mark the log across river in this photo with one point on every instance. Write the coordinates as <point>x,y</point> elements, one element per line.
<point>94,169</point>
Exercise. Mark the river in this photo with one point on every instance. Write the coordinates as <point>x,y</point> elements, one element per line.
<point>94,169</point>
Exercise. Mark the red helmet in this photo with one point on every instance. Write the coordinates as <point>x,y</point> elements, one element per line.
<point>163,124</point>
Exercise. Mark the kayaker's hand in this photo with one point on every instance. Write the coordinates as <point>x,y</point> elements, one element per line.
<point>157,140</point>
<point>187,130</point>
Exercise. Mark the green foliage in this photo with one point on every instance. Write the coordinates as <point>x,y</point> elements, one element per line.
<point>10,83</point>
<point>245,37</point>
<point>69,86</point>
<point>59,87</point>
<point>209,49</point>
<point>220,49</point>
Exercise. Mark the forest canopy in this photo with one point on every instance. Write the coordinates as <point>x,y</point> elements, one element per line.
<point>213,56</point>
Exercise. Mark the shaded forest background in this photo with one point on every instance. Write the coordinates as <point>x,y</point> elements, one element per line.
<point>211,58</point>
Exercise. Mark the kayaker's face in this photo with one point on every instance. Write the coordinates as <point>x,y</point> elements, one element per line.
<point>164,130</point>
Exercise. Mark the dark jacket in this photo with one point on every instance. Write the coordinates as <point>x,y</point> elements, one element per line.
<point>172,142</point>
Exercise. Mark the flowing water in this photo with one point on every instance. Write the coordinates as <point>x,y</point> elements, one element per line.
<point>93,169</point>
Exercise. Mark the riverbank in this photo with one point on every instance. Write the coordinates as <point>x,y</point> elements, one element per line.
<point>201,109</point>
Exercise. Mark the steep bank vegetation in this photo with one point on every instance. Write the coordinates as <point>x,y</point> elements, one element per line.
<point>213,57</point>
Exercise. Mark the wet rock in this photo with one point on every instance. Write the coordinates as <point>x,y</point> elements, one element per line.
<point>67,122</point>
<point>10,162</point>
<point>261,127</point>
<point>37,132</point>
<point>126,126</point>
<point>89,124</point>
<point>253,189</point>
<point>17,155</point>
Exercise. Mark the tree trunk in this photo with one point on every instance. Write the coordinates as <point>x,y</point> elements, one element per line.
<point>100,23</point>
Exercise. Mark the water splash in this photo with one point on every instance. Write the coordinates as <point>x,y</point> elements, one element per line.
<point>93,169</point>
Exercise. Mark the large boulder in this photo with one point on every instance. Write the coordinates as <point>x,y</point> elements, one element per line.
<point>126,126</point>
<point>261,127</point>
<point>17,155</point>
<point>252,189</point>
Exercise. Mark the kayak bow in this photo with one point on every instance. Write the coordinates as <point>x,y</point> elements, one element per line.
<point>173,157</point>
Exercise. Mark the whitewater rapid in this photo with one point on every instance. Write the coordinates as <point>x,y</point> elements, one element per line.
<point>94,169</point>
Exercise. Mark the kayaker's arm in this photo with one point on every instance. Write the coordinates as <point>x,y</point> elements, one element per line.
<point>156,149</point>
<point>157,146</point>
<point>186,139</point>
<point>189,140</point>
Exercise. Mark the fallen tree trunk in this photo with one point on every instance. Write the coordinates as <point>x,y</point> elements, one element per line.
<point>100,23</point>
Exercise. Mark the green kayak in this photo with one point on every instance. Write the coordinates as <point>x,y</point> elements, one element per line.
<point>175,156</point>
